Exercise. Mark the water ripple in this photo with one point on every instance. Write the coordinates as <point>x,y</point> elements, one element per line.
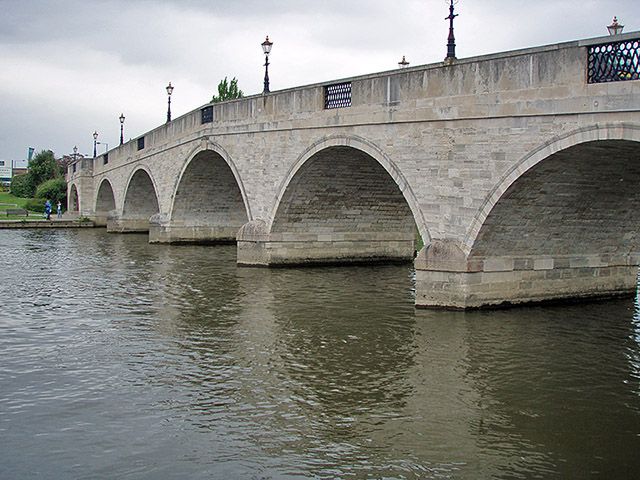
<point>129,360</point>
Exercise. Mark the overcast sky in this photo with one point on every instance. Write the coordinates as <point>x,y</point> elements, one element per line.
<point>69,67</point>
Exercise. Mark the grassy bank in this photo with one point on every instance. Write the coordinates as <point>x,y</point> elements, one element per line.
<point>8,201</point>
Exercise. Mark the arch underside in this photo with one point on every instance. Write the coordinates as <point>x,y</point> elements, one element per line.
<point>105,203</point>
<point>566,228</point>
<point>581,202</point>
<point>140,204</point>
<point>74,201</point>
<point>341,206</point>
<point>208,205</point>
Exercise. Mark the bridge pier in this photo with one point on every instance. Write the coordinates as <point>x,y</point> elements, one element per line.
<point>257,247</point>
<point>446,279</point>
<point>116,224</point>
<point>196,234</point>
<point>163,230</point>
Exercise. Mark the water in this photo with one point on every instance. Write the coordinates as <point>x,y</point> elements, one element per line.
<point>120,359</point>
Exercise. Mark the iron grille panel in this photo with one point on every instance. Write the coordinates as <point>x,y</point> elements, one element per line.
<point>614,62</point>
<point>337,95</point>
<point>207,114</point>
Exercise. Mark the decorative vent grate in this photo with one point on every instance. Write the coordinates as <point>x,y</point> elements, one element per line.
<point>207,114</point>
<point>614,62</point>
<point>337,95</point>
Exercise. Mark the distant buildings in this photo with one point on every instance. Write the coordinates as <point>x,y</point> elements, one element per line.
<point>8,171</point>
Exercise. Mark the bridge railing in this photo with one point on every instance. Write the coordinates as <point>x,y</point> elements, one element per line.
<point>614,61</point>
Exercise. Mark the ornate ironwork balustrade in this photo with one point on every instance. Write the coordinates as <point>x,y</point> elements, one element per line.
<point>337,95</point>
<point>614,62</point>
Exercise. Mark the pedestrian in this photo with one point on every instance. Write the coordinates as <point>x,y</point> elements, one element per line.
<point>47,210</point>
<point>59,208</point>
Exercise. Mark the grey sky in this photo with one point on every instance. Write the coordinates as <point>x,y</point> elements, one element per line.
<point>69,67</point>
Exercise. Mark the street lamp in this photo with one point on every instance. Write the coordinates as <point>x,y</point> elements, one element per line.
<point>75,157</point>
<point>451,41</point>
<point>169,92</point>
<point>95,142</point>
<point>615,28</point>
<point>266,48</point>
<point>121,128</point>
<point>403,63</point>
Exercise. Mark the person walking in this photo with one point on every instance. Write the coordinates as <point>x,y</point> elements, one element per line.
<point>47,210</point>
<point>59,209</point>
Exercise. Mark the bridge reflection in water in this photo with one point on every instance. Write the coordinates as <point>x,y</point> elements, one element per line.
<point>133,360</point>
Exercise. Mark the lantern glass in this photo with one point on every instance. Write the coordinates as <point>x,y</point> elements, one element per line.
<point>615,28</point>
<point>266,46</point>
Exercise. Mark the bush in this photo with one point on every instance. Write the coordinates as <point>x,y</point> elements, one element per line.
<point>35,205</point>
<point>55,190</point>
<point>21,186</point>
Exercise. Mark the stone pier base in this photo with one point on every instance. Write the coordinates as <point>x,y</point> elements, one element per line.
<point>319,252</point>
<point>258,248</point>
<point>464,290</point>
<point>198,234</point>
<point>100,220</point>
<point>127,225</point>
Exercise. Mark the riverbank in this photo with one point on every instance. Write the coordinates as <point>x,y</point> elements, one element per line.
<point>43,223</point>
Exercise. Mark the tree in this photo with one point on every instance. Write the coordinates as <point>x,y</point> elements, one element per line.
<point>42,167</point>
<point>21,186</point>
<point>54,190</point>
<point>227,91</point>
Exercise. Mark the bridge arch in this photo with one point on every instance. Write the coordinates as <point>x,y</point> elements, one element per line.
<point>74,200</point>
<point>344,201</point>
<point>356,144</point>
<point>140,202</point>
<point>562,223</point>
<point>105,202</point>
<point>209,201</point>
<point>620,140</point>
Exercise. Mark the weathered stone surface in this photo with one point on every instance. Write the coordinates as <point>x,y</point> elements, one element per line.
<point>520,177</point>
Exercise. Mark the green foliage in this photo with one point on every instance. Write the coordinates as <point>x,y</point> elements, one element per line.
<point>55,190</point>
<point>227,91</point>
<point>42,167</point>
<point>21,186</point>
<point>36,205</point>
<point>11,201</point>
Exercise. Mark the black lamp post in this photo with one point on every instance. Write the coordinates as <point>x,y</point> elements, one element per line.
<point>169,92</point>
<point>615,28</point>
<point>451,41</point>
<point>75,153</point>
<point>403,63</point>
<point>95,144</point>
<point>266,48</point>
<point>121,128</point>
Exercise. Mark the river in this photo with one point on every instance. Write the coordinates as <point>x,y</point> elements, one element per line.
<point>121,359</point>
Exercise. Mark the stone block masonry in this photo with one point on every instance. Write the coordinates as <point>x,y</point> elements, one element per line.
<point>520,177</point>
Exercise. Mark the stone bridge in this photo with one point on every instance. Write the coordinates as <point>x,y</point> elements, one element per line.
<point>519,171</point>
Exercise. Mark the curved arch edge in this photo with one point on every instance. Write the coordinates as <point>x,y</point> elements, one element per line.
<point>374,152</point>
<point>613,131</point>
